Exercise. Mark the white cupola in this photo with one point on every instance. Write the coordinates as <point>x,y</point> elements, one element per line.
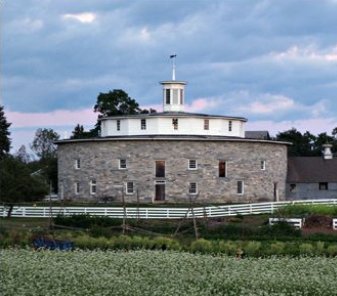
<point>173,92</point>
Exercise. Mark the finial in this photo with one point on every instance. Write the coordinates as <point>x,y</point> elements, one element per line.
<point>173,57</point>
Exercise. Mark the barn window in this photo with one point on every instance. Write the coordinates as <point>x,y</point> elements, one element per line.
<point>230,126</point>
<point>222,169</point>
<point>77,188</point>
<point>118,125</point>
<point>240,187</point>
<point>77,164</point>
<point>175,123</point>
<point>143,124</point>
<point>192,164</point>
<point>122,164</point>
<point>323,186</point>
<point>160,168</point>
<point>206,124</point>
<point>93,187</point>
<point>292,187</point>
<point>263,165</point>
<point>129,187</point>
<point>193,188</point>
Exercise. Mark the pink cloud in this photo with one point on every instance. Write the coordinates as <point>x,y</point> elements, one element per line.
<point>201,104</point>
<point>55,118</point>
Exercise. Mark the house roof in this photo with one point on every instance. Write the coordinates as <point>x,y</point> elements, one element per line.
<point>311,170</point>
<point>170,138</point>
<point>173,114</point>
<point>262,135</point>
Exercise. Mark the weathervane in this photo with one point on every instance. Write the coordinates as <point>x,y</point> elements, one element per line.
<point>173,57</point>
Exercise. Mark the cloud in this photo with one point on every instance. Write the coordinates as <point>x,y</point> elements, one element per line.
<point>84,17</point>
<point>268,105</point>
<point>310,53</point>
<point>201,105</point>
<point>54,118</point>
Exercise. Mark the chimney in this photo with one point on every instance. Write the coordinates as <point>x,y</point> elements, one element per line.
<point>327,154</point>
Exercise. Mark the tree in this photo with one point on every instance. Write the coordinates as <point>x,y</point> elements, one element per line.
<point>5,142</point>
<point>43,144</point>
<point>80,133</point>
<point>22,154</point>
<point>17,184</point>
<point>44,147</point>
<point>302,145</point>
<point>116,102</point>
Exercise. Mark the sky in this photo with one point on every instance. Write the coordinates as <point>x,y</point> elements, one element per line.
<point>273,62</point>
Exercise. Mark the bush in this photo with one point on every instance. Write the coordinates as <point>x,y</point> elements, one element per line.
<point>320,248</point>
<point>252,248</point>
<point>277,248</point>
<point>201,245</point>
<point>227,247</point>
<point>306,249</point>
<point>165,243</point>
<point>332,250</point>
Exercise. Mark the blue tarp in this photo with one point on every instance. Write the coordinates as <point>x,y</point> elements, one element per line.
<point>51,244</point>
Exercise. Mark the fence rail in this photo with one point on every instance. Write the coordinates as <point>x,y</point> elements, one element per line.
<point>159,213</point>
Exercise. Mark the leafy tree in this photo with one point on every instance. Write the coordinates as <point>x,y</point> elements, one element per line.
<point>44,147</point>
<point>302,144</point>
<point>17,184</point>
<point>80,133</point>
<point>43,144</point>
<point>5,142</point>
<point>116,102</point>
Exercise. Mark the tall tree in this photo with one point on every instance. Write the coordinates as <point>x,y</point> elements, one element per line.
<point>302,145</point>
<point>43,144</point>
<point>44,147</point>
<point>5,142</point>
<point>17,184</point>
<point>116,102</point>
<point>80,133</point>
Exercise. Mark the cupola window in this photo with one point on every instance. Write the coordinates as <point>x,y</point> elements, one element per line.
<point>167,96</point>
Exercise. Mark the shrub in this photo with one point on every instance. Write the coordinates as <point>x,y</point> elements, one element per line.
<point>165,243</point>
<point>320,248</point>
<point>252,248</point>
<point>332,250</point>
<point>306,249</point>
<point>227,247</point>
<point>201,245</point>
<point>277,248</point>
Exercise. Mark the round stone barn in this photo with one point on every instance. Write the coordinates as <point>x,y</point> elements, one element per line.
<point>173,156</point>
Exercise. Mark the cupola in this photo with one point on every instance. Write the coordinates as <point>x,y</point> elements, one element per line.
<point>173,92</point>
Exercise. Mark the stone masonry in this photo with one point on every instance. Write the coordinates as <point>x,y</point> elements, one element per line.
<point>99,161</point>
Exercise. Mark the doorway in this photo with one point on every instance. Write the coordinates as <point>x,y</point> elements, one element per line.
<point>159,191</point>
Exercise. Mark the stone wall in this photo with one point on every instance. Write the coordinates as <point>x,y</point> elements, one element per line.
<point>100,162</point>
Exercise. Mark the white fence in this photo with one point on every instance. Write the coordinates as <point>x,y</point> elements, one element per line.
<point>296,222</point>
<point>159,213</point>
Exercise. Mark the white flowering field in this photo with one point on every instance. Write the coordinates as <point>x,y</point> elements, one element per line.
<point>25,272</point>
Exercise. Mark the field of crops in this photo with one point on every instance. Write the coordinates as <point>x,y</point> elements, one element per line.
<point>25,272</point>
